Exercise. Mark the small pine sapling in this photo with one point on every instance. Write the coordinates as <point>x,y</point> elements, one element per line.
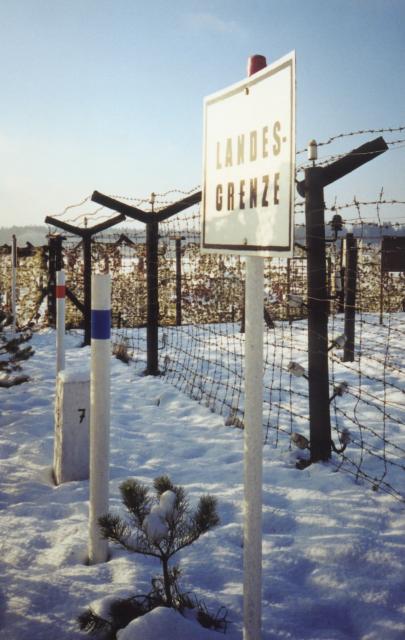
<point>160,526</point>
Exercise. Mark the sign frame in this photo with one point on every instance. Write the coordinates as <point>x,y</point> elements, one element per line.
<point>244,245</point>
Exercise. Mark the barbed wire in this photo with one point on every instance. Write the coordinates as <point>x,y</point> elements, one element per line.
<point>348,134</point>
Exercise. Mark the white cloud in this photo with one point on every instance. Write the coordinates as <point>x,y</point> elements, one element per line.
<point>211,22</point>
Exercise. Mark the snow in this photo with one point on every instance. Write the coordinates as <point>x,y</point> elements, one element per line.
<point>154,524</point>
<point>333,549</point>
<point>75,374</point>
<point>167,624</point>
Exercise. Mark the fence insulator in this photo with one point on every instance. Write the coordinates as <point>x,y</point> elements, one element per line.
<point>339,390</point>
<point>299,440</point>
<point>345,437</point>
<point>295,301</point>
<point>336,224</point>
<point>338,342</point>
<point>271,299</point>
<point>342,388</point>
<point>296,370</point>
<point>312,150</point>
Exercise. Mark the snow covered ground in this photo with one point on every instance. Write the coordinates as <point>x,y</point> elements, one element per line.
<point>333,550</point>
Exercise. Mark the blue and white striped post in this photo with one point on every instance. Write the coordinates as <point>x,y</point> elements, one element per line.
<point>99,413</point>
<point>60,321</point>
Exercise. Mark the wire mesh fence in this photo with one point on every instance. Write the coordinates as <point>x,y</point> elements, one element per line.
<point>201,351</point>
<point>201,321</point>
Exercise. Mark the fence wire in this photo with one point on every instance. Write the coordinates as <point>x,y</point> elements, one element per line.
<point>203,356</point>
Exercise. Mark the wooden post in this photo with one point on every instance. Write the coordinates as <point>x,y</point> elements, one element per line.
<point>318,373</point>
<point>350,297</point>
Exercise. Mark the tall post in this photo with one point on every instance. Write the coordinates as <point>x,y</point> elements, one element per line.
<point>99,413</point>
<point>60,321</point>
<point>152,239</point>
<point>288,285</point>
<point>253,435</point>
<point>87,288</point>
<point>382,278</point>
<point>253,448</point>
<point>55,264</point>
<point>329,284</point>
<point>14,283</point>
<point>318,374</point>
<point>178,283</point>
<point>350,297</point>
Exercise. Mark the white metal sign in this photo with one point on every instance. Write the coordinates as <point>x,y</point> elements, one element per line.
<point>249,164</point>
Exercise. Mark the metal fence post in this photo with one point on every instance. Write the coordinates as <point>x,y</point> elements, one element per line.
<point>87,288</point>
<point>152,239</point>
<point>350,297</point>
<point>178,283</point>
<point>318,374</point>
<point>14,283</point>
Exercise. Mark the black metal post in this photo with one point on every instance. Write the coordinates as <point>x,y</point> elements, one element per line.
<point>350,297</point>
<point>382,278</point>
<point>87,288</point>
<point>341,292</point>
<point>178,283</point>
<point>288,286</point>
<point>152,239</point>
<point>318,374</point>
<point>243,308</point>
<point>329,284</point>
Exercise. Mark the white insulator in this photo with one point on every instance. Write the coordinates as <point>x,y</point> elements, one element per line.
<point>296,369</point>
<point>312,150</point>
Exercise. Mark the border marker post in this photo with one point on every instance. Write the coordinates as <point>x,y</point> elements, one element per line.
<point>253,436</point>
<point>60,321</point>
<point>248,199</point>
<point>99,413</point>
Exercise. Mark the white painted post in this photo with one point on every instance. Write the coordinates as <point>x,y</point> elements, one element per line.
<point>60,321</point>
<point>14,284</point>
<point>253,449</point>
<point>253,436</point>
<point>99,413</point>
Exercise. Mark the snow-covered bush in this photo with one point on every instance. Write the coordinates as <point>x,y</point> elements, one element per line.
<point>159,526</point>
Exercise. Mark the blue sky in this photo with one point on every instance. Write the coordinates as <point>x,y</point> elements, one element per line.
<point>108,95</point>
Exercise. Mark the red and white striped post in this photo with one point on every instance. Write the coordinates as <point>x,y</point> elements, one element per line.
<point>99,413</point>
<point>253,434</point>
<point>60,321</point>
